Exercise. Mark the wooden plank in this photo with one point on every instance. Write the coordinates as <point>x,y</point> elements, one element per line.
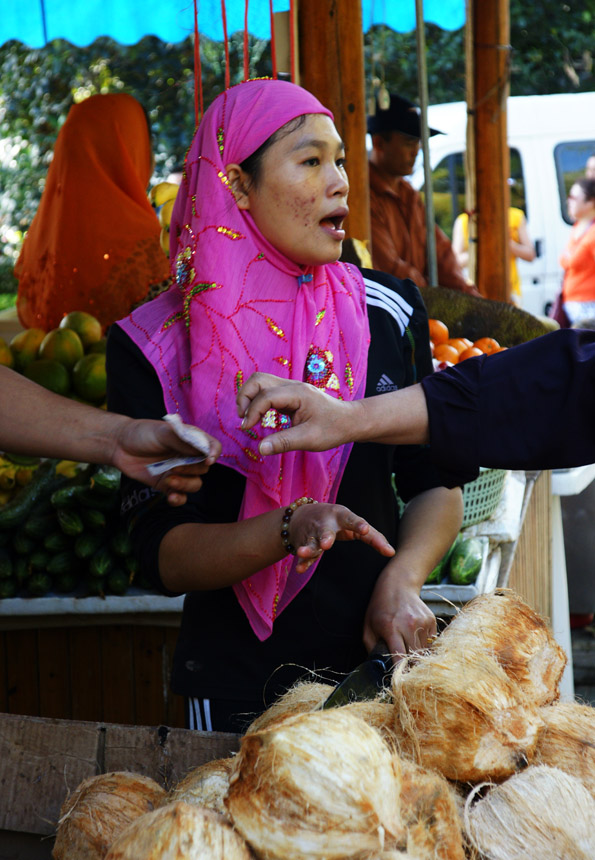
<point>150,674</point>
<point>530,569</point>
<point>117,674</point>
<point>330,36</point>
<point>85,673</point>
<point>42,761</point>
<point>22,679</point>
<point>174,703</point>
<point>54,674</point>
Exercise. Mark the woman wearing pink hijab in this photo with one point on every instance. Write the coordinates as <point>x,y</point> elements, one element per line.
<point>256,234</point>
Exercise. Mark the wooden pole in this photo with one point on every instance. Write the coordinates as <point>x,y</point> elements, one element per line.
<point>331,56</point>
<point>422,78</point>
<point>487,112</point>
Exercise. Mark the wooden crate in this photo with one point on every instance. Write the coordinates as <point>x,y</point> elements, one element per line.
<point>42,760</point>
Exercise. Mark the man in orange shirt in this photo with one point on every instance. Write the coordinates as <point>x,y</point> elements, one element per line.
<point>398,218</point>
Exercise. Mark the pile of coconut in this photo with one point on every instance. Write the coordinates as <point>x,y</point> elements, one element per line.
<point>469,754</point>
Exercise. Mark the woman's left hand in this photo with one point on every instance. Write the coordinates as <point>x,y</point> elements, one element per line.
<point>315,528</point>
<point>397,614</point>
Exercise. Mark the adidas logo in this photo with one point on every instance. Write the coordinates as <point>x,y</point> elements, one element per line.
<point>385,384</point>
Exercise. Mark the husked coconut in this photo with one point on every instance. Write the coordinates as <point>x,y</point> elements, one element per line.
<point>318,785</point>
<point>429,810</point>
<point>302,698</point>
<point>179,831</point>
<point>540,814</point>
<point>567,740</point>
<point>376,713</point>
<point>461,714</point>
<point>99,809</point>
<point>205,785</point>
<point>519,638</point>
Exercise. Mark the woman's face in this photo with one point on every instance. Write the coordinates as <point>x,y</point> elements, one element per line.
<point>578,205</point>
<point>300,201</point>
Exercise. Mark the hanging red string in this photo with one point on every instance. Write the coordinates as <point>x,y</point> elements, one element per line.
<point>246,47</point>
<point>226,43</point>
<point>273,49</point>
<point>292,67</point>
<point>198,95</point>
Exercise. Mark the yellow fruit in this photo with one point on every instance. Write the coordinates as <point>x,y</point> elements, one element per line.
<point>25,345</point>
<point>98,346</point>
<point>165,213</point>
<point>89,378</point>
<point>164,240</point>
<point>6,356</point>
<point>85,325</point>
<point>162,192</point>
<point>63,345</point>
<point>51,374</point>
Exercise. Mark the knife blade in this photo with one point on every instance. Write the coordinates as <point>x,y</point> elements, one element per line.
<point>365,681</point>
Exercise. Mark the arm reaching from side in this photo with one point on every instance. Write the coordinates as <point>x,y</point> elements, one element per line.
<point>321,422</point>
<point>41,423</point>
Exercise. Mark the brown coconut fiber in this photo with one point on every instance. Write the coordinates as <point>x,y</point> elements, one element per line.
<point>179,831</point>
<point>205,786</point>
<point>302,698</point>
<point>99,809</point>
<point>567,740</point>
<point>460,714</point>
<point>319,785</point>
<point>540,814</point>
<point>519,638</point>
<point>429,809</point>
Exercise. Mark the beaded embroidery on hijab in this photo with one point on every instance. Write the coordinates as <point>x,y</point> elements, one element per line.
<point>239,306</point>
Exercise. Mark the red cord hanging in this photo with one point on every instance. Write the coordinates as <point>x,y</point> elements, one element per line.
<point>198,94</point>
<point>226,43</point>
<point>246,45</point>
<point>292,67</point>
<point>273,49</point>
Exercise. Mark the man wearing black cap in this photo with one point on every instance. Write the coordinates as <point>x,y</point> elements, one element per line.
<point>397,211</point>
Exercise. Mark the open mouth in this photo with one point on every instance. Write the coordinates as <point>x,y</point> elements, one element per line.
<point>334,224</point>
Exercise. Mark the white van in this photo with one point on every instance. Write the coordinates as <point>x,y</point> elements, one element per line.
<point>550,138</point>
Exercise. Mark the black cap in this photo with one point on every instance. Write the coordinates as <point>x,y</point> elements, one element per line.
<point>402,115</point>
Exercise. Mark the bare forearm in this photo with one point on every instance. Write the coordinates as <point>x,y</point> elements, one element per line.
<point>37,422</point>
<point>203,557</point>
<point>421,547</point>
<point>398,418</point>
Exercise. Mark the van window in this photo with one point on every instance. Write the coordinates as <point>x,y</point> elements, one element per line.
<point>570,159</point>
<point>448,184</point>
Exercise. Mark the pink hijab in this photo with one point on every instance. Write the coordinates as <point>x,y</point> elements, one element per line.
<point>239,306</point>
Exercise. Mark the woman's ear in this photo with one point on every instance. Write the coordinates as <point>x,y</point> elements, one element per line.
<point>239,183</point>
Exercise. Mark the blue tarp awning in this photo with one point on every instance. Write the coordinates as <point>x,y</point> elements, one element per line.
<point>127,21</point>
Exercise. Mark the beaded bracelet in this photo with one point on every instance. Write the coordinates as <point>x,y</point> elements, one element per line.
<point>305,500</point>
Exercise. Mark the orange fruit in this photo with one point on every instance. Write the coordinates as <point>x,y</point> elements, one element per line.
<point>446,352</point>
<point>85,325</point>
<point>50,374</point>
<point>459,343</point>
<point>487,345</point>
<point>63,345</point>
<point>25,345</point>
<point>6,356</point>
<point>470,352</point>
<point>89,377</point>
<point>438,331</point>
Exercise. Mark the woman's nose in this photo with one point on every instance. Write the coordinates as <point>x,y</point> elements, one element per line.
<point>339,183</point>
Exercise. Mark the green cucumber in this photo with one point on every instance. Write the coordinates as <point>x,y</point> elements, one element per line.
<point>101,562</point>
<point>117,582</point>
<point>120,543</point>
<point>69,521</point>
<point>66,582</point>
<point>96,586</point>
<point>16,511</point>
<point>39,584</point>
<point>106,479</point>
<point>93,518</point>
<point>56,542</point>
<point>466,560</point>
<point>39,559</point>
<point>88,543</point>
<point>441,569</point>
<point>39,525</point>
<point>6,564</point>
<point>62,563</point>
<point>22,543</point>
<point>8,588</point>
<point>21,570</point>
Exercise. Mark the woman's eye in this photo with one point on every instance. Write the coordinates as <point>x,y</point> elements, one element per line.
<point>312,162</point>
<point>342,163</point>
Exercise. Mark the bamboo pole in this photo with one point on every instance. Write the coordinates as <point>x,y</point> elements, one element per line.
<point>489,20</point>
<point>331,54</point>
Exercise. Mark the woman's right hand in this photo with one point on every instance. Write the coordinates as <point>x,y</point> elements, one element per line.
<point>314,528</point>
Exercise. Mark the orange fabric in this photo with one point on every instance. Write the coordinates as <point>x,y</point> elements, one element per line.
<point>398,222</point>
<point>578,262</point>
<point>93,244</point>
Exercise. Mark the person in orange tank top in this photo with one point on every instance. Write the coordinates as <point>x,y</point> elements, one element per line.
<point>578,258</point>
<point>93,244</point>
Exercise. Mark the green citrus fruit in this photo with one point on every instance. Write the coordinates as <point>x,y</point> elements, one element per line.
<point>89,377</point>
<point>63,345</point>
<point>85,325</point>
<point>51,374</point>
<point>6,356</point>
<point>98,346</point>
<point>25,345</point>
